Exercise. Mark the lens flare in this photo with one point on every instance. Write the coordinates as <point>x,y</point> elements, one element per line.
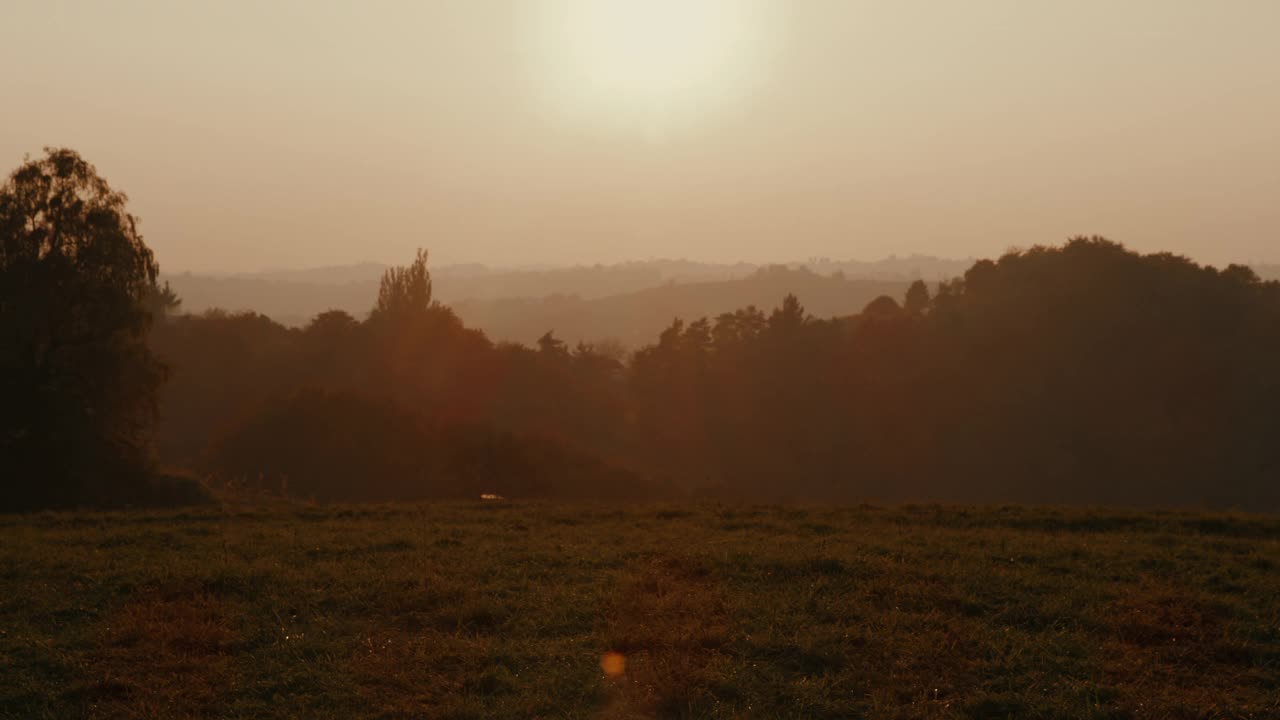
<point>613,664</point>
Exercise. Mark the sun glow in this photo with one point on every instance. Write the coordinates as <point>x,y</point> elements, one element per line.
<point>649,63</point>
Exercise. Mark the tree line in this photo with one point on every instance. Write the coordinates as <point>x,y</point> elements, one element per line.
<point>1083,373</point>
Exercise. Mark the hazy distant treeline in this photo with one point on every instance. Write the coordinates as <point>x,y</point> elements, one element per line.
<point>627,301</point>
<point>636,318</point>
<point>1082,373</point>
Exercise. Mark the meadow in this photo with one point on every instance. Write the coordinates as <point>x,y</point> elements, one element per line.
<point>509,610</point>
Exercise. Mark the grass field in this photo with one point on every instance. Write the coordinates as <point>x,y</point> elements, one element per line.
<point>507,611</point>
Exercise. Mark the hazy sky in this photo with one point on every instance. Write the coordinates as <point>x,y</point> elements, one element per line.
<point>253,133</point>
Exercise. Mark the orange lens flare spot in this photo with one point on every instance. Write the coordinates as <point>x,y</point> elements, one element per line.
<point>613,664</point>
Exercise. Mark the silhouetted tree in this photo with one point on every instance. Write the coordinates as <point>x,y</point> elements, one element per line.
<point>552,345</point>
<point>77,378</point>
<point>882,306</point>
<point>917,298</point>
<point>162,302</point>
<point>405,290</point>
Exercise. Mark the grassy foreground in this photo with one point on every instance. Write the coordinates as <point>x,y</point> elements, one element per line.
<point>506,611</point>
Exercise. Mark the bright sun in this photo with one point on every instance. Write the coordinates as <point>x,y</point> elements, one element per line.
<point>648,63</point>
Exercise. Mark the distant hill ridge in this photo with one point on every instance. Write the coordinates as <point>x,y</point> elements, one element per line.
<point>637,317</point>
<point>630,302</point>
<point>293,296</point>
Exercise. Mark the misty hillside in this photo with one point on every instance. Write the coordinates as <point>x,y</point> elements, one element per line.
<point>502,301</point>
<point>630,302</point>
<point>636,318</point>
<point>291,302</point>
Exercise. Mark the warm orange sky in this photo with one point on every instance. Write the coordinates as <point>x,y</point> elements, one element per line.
<point>252,134</point>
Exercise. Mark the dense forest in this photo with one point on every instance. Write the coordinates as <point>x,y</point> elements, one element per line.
<point>1082,373</point>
